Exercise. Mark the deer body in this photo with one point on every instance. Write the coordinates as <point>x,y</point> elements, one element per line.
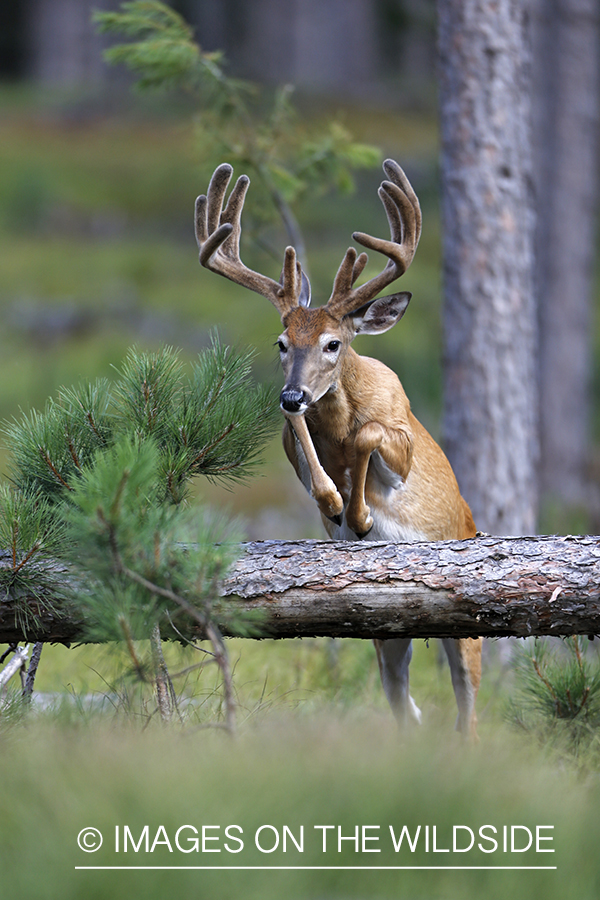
<point>372,468</point>
<point>407,487</point>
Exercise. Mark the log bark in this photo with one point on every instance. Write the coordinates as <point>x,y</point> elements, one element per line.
<point>488,586</point>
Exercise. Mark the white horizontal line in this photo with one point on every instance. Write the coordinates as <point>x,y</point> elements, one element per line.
<point>327,868</point>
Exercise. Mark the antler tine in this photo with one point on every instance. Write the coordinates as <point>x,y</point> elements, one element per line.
<point>348,272</point>
<point>218,233</point>
<point>404,217</point>
<point>398,176</point>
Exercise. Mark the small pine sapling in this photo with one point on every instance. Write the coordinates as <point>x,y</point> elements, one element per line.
<point>100,481</point>
<point>557,696</point>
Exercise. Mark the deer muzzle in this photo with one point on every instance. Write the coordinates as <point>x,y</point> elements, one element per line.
<point>294,400</point>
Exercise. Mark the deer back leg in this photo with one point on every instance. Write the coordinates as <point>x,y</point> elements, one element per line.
<point>464,657</point>
<point>394,658</point>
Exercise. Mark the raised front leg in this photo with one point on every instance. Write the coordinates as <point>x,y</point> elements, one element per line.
<point>395,449</point>
<point>315,479</point>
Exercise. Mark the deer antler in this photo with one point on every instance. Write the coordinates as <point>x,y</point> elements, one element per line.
<point>404,216</point>
<point>218,234</point>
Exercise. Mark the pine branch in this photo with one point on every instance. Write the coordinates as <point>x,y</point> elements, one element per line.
<point>46,457</point>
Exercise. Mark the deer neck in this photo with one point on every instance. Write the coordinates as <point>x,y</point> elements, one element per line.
<point>338,412</point>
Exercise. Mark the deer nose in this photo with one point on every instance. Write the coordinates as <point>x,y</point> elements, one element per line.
<point>293,400</point>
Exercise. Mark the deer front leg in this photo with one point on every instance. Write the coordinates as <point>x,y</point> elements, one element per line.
<point>318,482</point>
<point>395,449</point>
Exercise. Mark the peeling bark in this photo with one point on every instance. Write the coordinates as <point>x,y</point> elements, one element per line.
<point>488,586</point>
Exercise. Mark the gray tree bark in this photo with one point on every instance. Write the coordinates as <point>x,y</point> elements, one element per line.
<point>330,46</point>
<point>487,586</point>
<point>566,109</point>
<point>64,46</point>
<point>490,404</point>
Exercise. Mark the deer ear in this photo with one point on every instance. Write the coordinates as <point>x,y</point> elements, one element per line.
<point>305,291</point>
<point>304,298</point>
<point>380,315</point>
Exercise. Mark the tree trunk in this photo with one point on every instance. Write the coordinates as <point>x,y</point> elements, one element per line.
<point>32,671</point>
<point>487,586</point>
<point>566,82</point>
<point>490,401</point>
<point>64,46</point>
<point>330,46</point>
<point>165,694</point>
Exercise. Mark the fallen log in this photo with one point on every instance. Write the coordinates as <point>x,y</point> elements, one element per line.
<point>488,586</point>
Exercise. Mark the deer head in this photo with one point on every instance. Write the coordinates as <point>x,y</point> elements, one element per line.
<point>315,342</point>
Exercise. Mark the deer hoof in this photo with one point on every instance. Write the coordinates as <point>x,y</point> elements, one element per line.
<point>337,520</point>
<point>361,525</point>
<point>332,506</point>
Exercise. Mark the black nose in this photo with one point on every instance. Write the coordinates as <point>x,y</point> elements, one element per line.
<point>292,400</point>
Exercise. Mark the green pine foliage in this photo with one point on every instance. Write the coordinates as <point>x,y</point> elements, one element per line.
<point>164,53</point>
<point>212,421</point>
<point>32,537</point>
<point>100,480</point>
<point>557,697</point>
<point>143,562</point>
<point>49,449</point>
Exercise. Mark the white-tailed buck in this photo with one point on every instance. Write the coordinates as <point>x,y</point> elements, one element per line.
<point>372,468</point>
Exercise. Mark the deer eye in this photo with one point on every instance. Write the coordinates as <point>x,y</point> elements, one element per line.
<point>282,347</point>
<point>333,346</point>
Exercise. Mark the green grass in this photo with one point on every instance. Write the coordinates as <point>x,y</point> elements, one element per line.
<point>316,746</point>
<point>290,772</point>
<point>275,676</point>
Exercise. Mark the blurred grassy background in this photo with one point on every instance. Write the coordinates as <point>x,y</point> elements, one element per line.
<point>97,253</point>
<point>288,771</point>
